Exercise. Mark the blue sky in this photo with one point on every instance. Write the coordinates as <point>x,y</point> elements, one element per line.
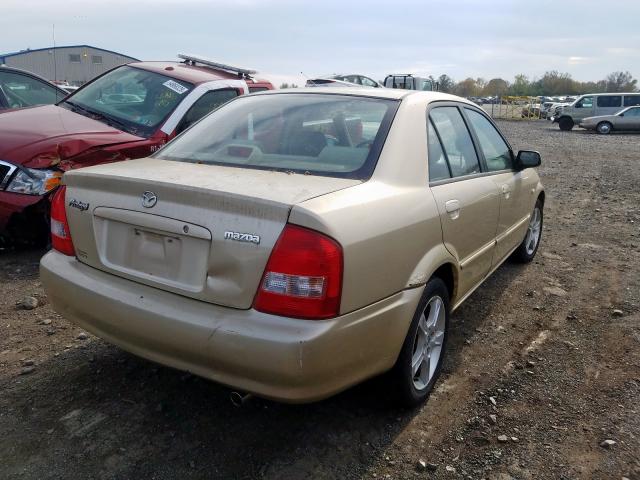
<point>281,38</point>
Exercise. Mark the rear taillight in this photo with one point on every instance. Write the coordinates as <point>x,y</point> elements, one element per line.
<point>60,235</point>
<point>303,278</point>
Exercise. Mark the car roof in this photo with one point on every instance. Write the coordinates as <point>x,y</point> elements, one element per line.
<point>392,93</point>
<point>195,74</point>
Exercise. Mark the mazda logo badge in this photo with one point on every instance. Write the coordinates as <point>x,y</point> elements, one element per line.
<point>149,199</point>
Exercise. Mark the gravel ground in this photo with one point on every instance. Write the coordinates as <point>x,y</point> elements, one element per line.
<point>542,380</point>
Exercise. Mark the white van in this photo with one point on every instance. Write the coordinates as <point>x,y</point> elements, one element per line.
<point>594,104</point>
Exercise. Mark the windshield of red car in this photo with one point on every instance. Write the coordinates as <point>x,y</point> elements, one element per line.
<point>316,134</point>
<point>128,98</point>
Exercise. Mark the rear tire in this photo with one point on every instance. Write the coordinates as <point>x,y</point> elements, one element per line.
<point>529,246</point>
<point>565,124</point>
<point>420,361</point>
<point>604,128</point>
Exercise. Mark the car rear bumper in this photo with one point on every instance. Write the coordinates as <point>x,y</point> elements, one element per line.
<point>274,357</point>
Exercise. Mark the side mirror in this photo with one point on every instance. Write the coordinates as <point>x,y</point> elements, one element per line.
<point>528,159</point>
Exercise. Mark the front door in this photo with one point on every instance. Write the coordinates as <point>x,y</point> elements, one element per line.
<point>629,121</point>
<point>514,188</point>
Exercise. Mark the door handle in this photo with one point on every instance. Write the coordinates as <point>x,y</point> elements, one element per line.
<point>506,190</point>
<point>453,208</point>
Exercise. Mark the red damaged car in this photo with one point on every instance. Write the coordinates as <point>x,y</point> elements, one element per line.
<point>128,112</point>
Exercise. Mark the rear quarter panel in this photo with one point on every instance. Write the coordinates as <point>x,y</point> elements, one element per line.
<point>389,226</point>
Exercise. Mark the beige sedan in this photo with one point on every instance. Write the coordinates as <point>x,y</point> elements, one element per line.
<point>627,119</point>
<point>294,243</point>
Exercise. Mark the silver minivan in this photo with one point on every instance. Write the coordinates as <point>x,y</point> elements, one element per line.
<point>594,104</point>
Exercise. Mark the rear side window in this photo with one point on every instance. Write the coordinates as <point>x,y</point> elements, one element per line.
<point>206,104</point>
<point>318,134</point>
<point>456,141</point>
<point>438,167</point>
<point>496,151</point>
<point>614,101</point>
<point>631,100</point>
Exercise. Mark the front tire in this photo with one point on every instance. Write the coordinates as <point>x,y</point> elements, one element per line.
<point>529,246</point>
<point>565,124</point>
<point>420,360</point>
<point>604,128</point>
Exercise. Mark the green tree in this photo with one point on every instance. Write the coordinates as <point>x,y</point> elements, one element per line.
<point>496,87</point>
<point>446,83</point>
<point>620,82</point>
<point>556,83</point>
<point>520,86</point>
<point>467,88</point>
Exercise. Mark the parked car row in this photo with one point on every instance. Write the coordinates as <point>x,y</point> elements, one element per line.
<point>599,105</point>
<point>401,81</point>
<point>195,223</point>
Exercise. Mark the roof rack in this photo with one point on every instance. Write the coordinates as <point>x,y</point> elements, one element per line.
<point>193,60</point>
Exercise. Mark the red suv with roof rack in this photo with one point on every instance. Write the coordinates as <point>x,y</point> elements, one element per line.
<point>128,112</point>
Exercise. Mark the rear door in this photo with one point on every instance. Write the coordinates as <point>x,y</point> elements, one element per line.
<point>468,201</point>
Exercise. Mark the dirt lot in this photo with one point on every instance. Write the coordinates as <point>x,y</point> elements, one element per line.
<point>546,355</point>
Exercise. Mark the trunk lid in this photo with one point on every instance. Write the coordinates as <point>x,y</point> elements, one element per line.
<point>208,235</point>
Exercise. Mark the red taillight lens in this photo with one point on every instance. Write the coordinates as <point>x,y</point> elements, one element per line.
<point>60,235</point>
<point>303,278</point>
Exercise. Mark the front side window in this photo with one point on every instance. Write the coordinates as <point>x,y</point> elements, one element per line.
<point>456,141</point>
<point>318,134</point>
<point>25,91</point>
<point>585,102</point>
<point>438,167</point>
<point>207,103</point>
<point>367,82</point>
<point>496,151</point>
<point>631,100</point>
<point>632,112</point>
<point>131,99</point>
<point>614,101</point>
<point>353,79</point>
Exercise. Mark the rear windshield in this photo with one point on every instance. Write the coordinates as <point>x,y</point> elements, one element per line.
<point>317,134</point>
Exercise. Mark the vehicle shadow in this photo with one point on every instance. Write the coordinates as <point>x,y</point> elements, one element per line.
<point>113,415</point>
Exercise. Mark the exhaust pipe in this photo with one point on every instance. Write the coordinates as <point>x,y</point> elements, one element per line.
<point>238,399</point>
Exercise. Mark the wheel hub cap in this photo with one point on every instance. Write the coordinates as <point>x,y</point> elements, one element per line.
<point>427,346</point>
<point>533,231</point>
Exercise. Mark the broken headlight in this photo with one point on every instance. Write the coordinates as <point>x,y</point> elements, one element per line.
<point>31,181</point>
